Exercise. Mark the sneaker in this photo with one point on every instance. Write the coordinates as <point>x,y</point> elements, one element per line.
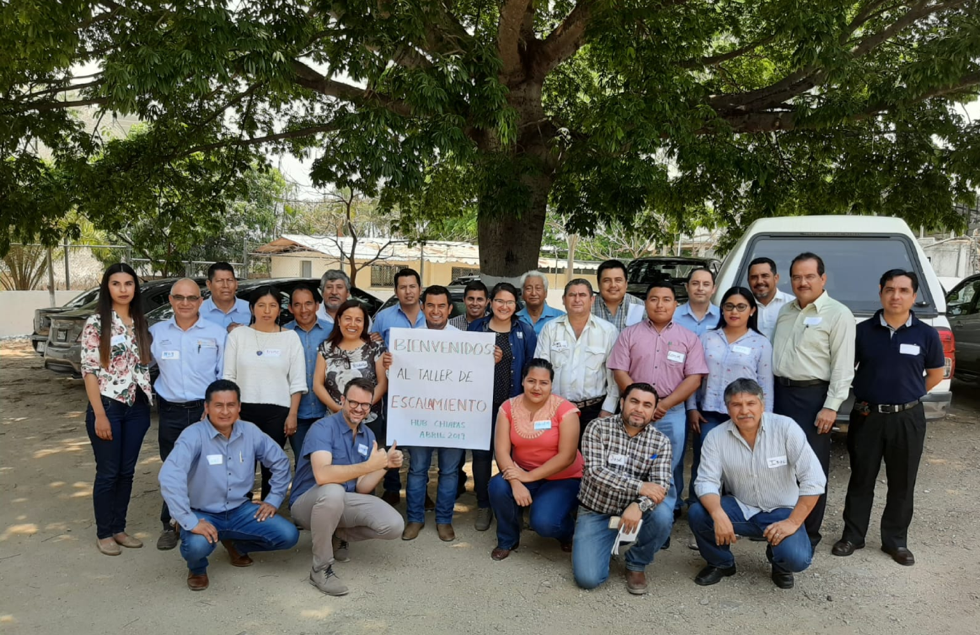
<point>341,550</point>
<point>692,543</point>
<point>167,540</point>
<point>484,516</point>
<point>328,582</point>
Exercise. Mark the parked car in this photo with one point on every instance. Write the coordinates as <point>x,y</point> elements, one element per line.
<point>42,317</point>
<point>455,296</point>
<point>63,352</point>
<point>964,320</point>
<point>643,272</point>
<point>856,250</point>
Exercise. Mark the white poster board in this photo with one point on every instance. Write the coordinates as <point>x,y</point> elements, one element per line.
<point>440,388</point>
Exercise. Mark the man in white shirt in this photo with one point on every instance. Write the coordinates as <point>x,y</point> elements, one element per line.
<point>763,280</point>
<point>577,345</point>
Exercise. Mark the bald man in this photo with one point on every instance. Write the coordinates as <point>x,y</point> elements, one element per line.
<point>189,351</point>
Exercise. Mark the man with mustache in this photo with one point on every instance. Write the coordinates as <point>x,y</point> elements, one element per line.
<point>763,280</point>
<point>534,293</point>
<point>335,290</point>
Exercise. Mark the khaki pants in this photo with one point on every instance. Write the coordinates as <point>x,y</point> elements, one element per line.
<point>325,508</point>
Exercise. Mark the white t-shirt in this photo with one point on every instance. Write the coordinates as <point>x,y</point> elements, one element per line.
<point>268,367</point>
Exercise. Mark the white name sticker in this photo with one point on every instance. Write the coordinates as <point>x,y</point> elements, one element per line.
<point>215,459</point>
<point>542,425</point>
<point>560,345</point>
<point>362,449</point>
<point>776,461</point>
<point>617,459</point>
<point>674,356</point>
<point>117,340</point>
<point>170,355</point>
<point>812,321</point>
<point>270,352</point>
<point>909,349</point>
<point>359,365</point>
<point>742,350</point>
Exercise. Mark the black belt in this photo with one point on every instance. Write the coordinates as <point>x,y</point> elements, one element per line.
<point>589,402</point>
<point>186,404</point>
<point>888,408</point>
<point>808,383</point>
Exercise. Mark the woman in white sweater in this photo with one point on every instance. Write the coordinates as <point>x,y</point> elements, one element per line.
<point>268,364</point>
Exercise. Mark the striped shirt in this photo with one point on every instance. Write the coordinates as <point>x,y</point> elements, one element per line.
<point>773,474</point>
<point>460,322</point>
<point>617,465</point>
<point>631,311</point>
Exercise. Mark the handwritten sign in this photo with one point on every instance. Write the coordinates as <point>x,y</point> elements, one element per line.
<point>440,388</point>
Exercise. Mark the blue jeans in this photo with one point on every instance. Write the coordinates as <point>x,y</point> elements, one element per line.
<point>715,419</point>
<point>594,540</point>
<point>552,504</point>
<point>174,418</point>
<point>296,441</point>
<point>672,425</point>
<point>793,554</point>
<point>418,476</point>
<point>115,461</point>
<point>240,526</point>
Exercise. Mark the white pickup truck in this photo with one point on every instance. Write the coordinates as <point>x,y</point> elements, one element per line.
<point>856,250</point>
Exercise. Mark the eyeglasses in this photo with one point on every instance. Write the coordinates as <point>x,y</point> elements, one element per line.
<point>358,405</point>
<point>741,308</point>
<point>810,277</point>
<point>185,298</point>
<point>505,303</point>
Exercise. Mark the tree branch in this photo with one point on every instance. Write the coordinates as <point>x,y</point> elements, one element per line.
<point>509,34</point>
<point>714,60</point>
<point>567,38</point>
<point>282,136</point>
<point>307,77</point>
<point>919,11</point>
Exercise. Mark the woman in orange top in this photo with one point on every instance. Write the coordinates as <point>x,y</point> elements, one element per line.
<point>540,466</point>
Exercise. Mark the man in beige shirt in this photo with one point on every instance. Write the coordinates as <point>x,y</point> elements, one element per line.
<point>813,360</point>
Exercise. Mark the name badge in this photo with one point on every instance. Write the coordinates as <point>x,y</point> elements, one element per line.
<point>542,425</point>
<point>559,346</point>
<point>742,350</point>
<point>812,321</point>
<point>674,356</point>
<point>215,459</point>
<point>269,352</point>
<point>617,459</point>
<point>909,349</point>
<point>170,355</point>
<point>117,340</point>
<point>359,365</point>
<point>776,461</point>
<point>362,449</point>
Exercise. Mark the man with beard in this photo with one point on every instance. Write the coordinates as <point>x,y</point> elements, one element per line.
<point>763,280</point>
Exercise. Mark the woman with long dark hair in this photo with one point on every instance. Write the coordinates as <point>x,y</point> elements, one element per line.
<point>115,367</point>
<point>515,347</point>
<point>268,364</point>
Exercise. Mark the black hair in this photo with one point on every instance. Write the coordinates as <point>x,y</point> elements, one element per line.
<point>891,274</point>
<point>104,309</point>
<point>640,385</point>
<point>222,385</point>
<point>404,273</point>
<point>360,382</point>
<point>660,284</point>
<point>437,290</point>
<point>694,271</point>
<point>261,292</point>
<point>575,282</point>
<point>609,264</point>
<point>764,261</point>
<point>538,362</point>
<point>475,285</point>
<point>336,337</point>
<point>753,320</point>
<point>302,286</point>
<point>808,255</point>
<point>220,266</point>
<point>509,288</point>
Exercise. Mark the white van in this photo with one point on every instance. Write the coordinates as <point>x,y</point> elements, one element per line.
<point>856,250</point>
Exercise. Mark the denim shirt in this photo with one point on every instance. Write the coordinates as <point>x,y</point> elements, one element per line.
<point>310,406</point>
<point>523,341</point>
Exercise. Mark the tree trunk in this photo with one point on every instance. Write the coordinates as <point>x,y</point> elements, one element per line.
<point>510,244</point>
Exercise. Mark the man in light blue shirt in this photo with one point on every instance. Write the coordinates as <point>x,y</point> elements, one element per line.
<point>224,307</point>
<point>407,314</point>
<point>335,290</point>
<point>189,351</point>
<point>312,331</point>
<point>534,294</point>
<point>208,477</point>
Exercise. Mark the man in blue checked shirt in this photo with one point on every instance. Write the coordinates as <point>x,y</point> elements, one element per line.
<point>312,331</point>
<point>206,481</point>
<point>189,351</point>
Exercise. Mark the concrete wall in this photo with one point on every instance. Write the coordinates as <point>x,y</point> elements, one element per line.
<point>952,258</point>
<point>17,315</point>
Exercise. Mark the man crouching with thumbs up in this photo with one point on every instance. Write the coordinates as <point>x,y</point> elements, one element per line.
<point>339,467</point>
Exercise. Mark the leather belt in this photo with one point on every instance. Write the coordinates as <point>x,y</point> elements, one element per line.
<point>589,402</point>
<point>808,383</point>
<point>888,408</point>
<point>184,404</point>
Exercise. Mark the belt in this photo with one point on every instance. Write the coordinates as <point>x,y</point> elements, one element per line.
<point>589,402</point>
<point>889,408</point>
<point>185,404</point>
<point>808,383</point>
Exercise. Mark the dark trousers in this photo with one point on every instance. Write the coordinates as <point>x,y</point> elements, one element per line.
<point>483,466</point>
<point>802,405</point>
<point>270,419</point>
<point>898,439</point>
<point>174,418</point>
<point>115,461</point>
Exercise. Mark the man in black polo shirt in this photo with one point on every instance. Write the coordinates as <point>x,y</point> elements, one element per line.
<point>899,359</point>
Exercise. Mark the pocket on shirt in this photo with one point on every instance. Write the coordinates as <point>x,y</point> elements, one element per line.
<point>595,357</point>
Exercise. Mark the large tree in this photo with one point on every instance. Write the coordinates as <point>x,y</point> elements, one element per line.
<point>695,110</point>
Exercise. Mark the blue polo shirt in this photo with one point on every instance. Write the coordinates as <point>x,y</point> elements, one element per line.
<point>239,314</point>
<point>310,406</point>
<point>188,360</point>
<point>394,318</point>
<point>891,363</point>
<point>331,434</point>
<point>547,315</point>
<point>687,319</point>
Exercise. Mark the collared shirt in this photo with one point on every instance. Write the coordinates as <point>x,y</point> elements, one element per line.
<point>816,343</point>
<point>580,363</point>
<point>460,322</point>
<point>769,314</point>
<point>126,375</point>
<point>891,362</point>
<point>617,465</point>
<point>321,314</point>
<point>207,472</point>
<point>331,434</point>
<point>239,314</point>
<point>773,474</point>
<point>750,357</point>
<point>310,406</point>
<point>448,327</point>
<point>686,318</point>
<point>631,311</point>
<point>394,317</point>
<point>188,360</point>
<point>663,359</point>
<point>547,314</point>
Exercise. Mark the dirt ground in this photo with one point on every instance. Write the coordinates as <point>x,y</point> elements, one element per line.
<point>53,579</point>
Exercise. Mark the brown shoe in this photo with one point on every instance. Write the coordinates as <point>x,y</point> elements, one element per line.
<point>108,546</point>
<point>412,530</point>
<point>446,533</point>
<point>636,582</point>
<point>197,582</point>
<point>237,559</point>
<point>125,540</point>
<point>500,554</point>
<point>392,498</point>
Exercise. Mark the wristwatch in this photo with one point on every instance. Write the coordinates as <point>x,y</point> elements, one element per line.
<point>645,504</point>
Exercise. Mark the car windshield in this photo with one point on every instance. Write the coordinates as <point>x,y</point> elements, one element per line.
<point>650,271</point>
<point>84,298</point>
<point>854,266</point>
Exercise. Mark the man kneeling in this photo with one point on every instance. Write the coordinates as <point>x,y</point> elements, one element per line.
<point>206,481</point>
<point>627,472</point>
<point>773,480</point>
<point>339,467</point>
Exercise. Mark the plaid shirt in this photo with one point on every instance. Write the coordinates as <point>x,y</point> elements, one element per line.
<point>616,464</point>
<point>600,310</point>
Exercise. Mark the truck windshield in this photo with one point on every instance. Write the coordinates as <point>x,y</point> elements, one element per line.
<point>650,271</point>
<point>854,266</point>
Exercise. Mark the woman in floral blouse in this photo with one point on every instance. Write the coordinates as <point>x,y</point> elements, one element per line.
<point>115,366</point>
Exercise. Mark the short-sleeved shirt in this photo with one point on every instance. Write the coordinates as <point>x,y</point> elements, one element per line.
<point>188,360</point>
<point>239,314</point>
<point>534,443</point>
<point>749,357</point>
<point>394,317</point>
<point>686,318</point>
<point>662,359</point>
<point>631,311</point>
<point>548,313</point>
<point>891,363</point>
<point>343,366</point>
<point>331,434</point>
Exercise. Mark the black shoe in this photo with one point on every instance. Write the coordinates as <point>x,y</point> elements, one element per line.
<point>782,579</point>
<point>167,540</point>
<point>713,575</point>
<point>677,513</point>
<point>845,548</point>
<point>666,544</point>
<point>901,555</point>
